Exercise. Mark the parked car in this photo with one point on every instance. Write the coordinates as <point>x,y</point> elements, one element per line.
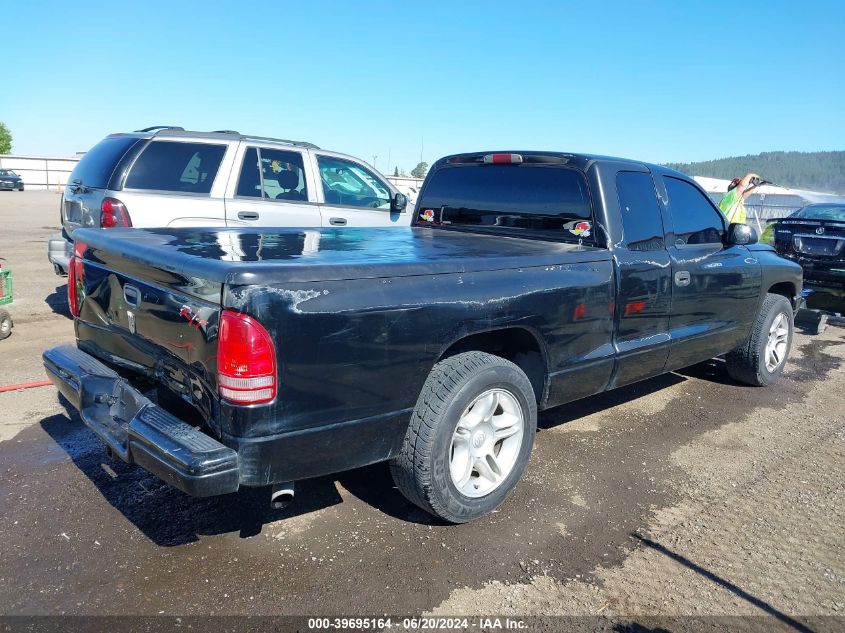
<point>814,237</point>
<point>10,181</point>
<point>527,281</point>
<point>160,177</point>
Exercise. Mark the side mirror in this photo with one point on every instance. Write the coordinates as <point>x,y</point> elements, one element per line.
<point>741,235</point>
<point>399,203</point>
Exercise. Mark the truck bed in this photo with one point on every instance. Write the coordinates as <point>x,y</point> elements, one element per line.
<point>252,257</point>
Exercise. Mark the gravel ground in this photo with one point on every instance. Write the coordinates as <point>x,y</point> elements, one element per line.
<point>684,495</point>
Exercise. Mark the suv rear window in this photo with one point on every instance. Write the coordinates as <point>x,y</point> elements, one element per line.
<point>176,166</point>
<point>96,166</point>
<point>518,200</point>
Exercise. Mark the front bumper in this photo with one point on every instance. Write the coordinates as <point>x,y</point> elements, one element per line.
<point>139,431</point>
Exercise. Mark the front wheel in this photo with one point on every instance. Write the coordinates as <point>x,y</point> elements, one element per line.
<point>761,358</point>
<point>469,438</point>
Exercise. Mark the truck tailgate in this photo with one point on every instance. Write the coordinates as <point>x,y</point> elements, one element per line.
<point>158,323</point>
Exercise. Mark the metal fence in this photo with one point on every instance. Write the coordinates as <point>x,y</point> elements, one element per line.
<point>40,172</point>
<point>762,208</point>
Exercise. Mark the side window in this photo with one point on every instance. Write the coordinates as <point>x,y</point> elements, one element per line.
<point>272,174</point>
<point>350,184</point>
<point>176,166</point>
<point>249,182</point>
<point>641,221</point>
<point>95,168</point>
<point>696,220</point>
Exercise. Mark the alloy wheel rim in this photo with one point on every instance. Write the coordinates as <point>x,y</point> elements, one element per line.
<point>777,342</point>
<point>486,443</point>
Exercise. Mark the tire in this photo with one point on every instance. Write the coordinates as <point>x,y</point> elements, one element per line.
<point>5,324</point>
<point>751,363</point>
<point>481,393</point>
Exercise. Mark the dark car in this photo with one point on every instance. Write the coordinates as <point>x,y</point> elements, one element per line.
<point>815,238</point>
<point>9,180</point>
<point>528,280</point>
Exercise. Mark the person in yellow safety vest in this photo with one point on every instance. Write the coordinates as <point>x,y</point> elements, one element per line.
<point>733,204</point>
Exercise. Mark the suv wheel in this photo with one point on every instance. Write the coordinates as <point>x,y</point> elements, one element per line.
<point>761,358</point>
<point>469,438</point>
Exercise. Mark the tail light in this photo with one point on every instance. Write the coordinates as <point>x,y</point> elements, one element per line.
<point>76,278</point>
<point>113,213</point>
<point>246,360</point>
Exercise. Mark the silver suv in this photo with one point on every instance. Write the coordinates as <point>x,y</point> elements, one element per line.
<point>167,176</point>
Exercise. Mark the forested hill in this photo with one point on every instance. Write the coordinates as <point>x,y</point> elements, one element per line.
<point>817,171</point>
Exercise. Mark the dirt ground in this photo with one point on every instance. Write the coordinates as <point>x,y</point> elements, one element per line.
<point>686,495</point>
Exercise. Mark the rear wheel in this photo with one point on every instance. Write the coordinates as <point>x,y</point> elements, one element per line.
<point>5,324</point>
<point>469,438</point>
<point>761,358</point>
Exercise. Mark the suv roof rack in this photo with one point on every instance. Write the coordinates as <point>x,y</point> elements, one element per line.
<point>161,127</point>
<point>157,129</point>
<point>250,137</point>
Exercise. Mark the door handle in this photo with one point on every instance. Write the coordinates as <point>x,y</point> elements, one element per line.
<point>682,278</point>
<point>337,221</point>
<point>247,215</point>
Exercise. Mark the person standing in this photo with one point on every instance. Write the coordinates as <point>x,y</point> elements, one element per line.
<point>733,203</point>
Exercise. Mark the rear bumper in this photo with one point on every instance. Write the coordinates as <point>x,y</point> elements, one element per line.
<point>139,431</point>
<point>830,272</point>
<point>58,252</point>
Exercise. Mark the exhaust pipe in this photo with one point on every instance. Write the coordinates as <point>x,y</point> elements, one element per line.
<point>281,495</point>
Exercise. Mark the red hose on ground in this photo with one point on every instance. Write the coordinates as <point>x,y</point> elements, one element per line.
<point>25,385</point>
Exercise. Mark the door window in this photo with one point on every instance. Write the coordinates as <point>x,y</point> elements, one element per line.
<point>176,166</point>
<point>641,221</point>
<point>352,185</point>
<point>695,219</point>
<point>272,174</point>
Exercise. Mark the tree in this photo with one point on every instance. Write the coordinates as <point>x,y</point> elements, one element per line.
<point>420,170</point>
<point>5,139</point>
<point>395,171</point>
<point>818,171</point>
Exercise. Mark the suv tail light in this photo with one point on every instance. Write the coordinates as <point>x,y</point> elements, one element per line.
<point>76,278</point>
<point>113,213</point>
<point>246,360</point>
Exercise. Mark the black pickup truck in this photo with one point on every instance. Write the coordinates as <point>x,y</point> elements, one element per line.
<point>221,358</point>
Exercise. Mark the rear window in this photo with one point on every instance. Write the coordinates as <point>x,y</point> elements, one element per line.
<point>518,200</point>
<point>821,212</point>
<point>176,166</point>
<point>97,165</point>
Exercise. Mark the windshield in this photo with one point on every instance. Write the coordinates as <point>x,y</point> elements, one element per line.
<point>835,212</point>
<point>519,200</point>
<point>7,172</point>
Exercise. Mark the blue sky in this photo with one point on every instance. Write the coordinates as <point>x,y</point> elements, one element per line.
<point>657,81</point>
